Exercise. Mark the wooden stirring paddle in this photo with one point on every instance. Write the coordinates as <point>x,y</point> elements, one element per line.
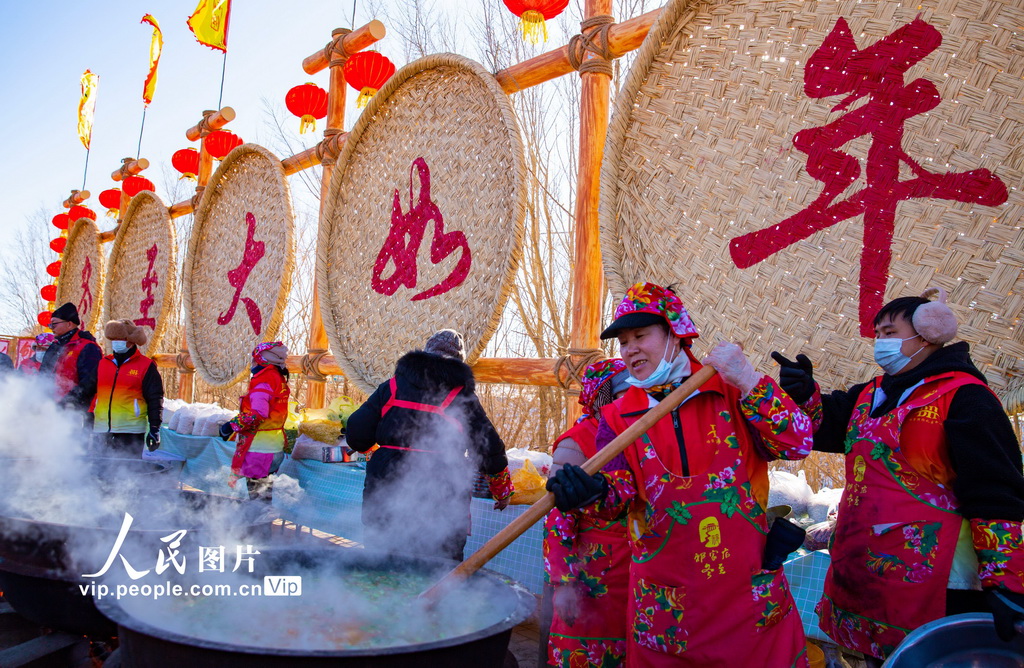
<point>542,506</point>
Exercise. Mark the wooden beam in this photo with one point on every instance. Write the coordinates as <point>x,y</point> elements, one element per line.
<point>622,38</point>
<point>212,121</point>
<point>357,40</point>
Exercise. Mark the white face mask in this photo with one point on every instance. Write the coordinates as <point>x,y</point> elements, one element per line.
<point>666,371</point>
<point>889,354</point>
<point>119,346</point>
<point>39,355</point>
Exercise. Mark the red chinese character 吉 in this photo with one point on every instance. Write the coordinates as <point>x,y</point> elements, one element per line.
<point>838,67</point>
<point>413,225</point>
<point>237,278</point>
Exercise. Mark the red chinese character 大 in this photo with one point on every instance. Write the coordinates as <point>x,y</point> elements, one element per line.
<point>85,303</point>
<point>402,252</point>
<point>237,278</point>
<point>148,282</point>
<point>838,67</point>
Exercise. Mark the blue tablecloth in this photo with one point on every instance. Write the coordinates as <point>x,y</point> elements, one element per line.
<point>331,498</point>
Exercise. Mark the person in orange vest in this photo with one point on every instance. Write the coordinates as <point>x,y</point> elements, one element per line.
<point>930,522</point>
<point>72,359</point>
<point>40,345</point>
<point>127,409</point>
<point>258,428</point>
<point>434,437</point>
<point>586,559</point>
<point>707,586</point>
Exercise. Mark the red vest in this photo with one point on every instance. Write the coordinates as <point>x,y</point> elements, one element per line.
<point>699,594</point>
<point>119,406</point>
<point>897,532</point>
<point>29,366</point>
<point>269,436</point>
<point>65,371</point>
<point>584,433</point>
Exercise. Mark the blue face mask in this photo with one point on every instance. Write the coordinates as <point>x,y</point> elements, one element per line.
<point>119,346</point>
<point>665,369</point>
<point>889,354</point>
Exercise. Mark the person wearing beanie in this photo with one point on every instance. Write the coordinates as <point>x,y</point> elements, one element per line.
<point>40,345</point>
<point>586,559</point>
<point>434,438</point>
<point>930,522</point>
<point>258,429</point>
<point>706,583</point>
<point>129,398</point>
<point>73,359</point>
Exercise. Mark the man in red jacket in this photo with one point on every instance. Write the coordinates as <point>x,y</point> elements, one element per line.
<point>72,359</point>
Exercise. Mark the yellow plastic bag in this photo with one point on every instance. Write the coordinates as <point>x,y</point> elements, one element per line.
<point>325,431</point>
<point>528,483</point>
<point>340,409</point>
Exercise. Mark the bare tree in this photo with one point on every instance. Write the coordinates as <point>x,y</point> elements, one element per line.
<point>23,273</point>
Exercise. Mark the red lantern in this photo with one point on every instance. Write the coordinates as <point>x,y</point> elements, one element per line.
<point>48,293</point>
<point>533,14</point>
<point>133,185</point>
<point>76,212</point>
<point>53,269</point>
<point>308,102</point>
<point>58,245</point>
<point>186,161</point>
<point>61,221</point>
<point>43,318</point>
<point>222,142</point>
<point>367,71</point>
<point>111,199</point>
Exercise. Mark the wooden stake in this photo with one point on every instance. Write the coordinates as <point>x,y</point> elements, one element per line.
<point>357,40</point>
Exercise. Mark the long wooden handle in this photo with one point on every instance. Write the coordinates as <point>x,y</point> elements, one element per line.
<point>543,505</point>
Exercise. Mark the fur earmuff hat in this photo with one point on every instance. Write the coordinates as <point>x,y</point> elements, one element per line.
<point>125,330</point>
<point>935,321</point>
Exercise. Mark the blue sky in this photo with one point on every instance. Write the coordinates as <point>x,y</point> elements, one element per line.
<point>45,47</point>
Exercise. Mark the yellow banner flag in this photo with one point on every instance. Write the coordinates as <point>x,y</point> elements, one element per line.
<point>87,107</point>
<point>209,23</point>
<point>156,45</point>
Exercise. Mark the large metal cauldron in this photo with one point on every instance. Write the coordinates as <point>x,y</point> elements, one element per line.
<point>148,643</point>
<point>42,563</point>
<point>958,641</point>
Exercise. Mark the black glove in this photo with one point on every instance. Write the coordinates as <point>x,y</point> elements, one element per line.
<point>225,431</point>
<point>573,488</point>
<point>796,378</point>
<point>153,439</point>
<point>1007,610</point>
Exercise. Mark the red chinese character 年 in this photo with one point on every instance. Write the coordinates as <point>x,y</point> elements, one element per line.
<point>838,67</point>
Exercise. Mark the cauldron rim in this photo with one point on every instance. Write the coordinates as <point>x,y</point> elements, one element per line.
<point>523,607</point>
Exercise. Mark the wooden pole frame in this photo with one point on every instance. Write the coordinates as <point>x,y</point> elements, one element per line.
<point>588,272</point>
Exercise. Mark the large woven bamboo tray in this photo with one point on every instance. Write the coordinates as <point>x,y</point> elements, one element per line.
<point>238,269</point>
<point>141,270</point>
<point>791,166</point>
<point>423,225</point>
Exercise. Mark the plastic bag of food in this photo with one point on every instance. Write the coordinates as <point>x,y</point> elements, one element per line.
<point>790,490</point>
<point>824,504</point>
<point>325,431</point>
<point>528,483</point>
<point>340,409</point>
<point>517,457</point>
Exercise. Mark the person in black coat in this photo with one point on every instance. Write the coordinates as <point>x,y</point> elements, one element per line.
<point>434,437</point>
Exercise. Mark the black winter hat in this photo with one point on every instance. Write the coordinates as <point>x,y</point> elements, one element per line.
<point>67,312</point>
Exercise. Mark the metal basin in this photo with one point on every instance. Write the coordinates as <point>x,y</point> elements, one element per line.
<point>958,641</point>
<point>152,634</point>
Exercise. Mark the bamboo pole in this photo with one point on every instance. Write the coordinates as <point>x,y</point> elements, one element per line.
<point>588,273</point>
<point>622,38</point>
<point>543,506</point>
<point>212,120</point>
<point>505,370</point>
<point>333,56</point>
<point>76,198</point>
<point>357,40</point>
<point>129,167</point>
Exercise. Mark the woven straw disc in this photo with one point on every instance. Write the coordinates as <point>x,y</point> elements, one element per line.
<point>81,272</point>
<point>140,273</point>
<point>250,180</point>
<point>701,151</point>
<point>450,112</point>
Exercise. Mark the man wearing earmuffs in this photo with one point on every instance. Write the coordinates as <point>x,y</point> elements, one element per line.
<point>930,521</point>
